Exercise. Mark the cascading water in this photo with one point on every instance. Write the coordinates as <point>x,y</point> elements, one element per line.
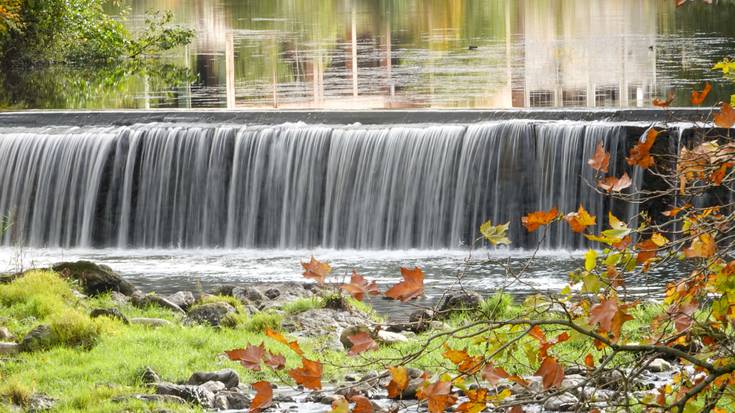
<point>295,185</point>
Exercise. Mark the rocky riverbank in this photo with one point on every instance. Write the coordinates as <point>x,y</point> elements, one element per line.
<point>78,337</point>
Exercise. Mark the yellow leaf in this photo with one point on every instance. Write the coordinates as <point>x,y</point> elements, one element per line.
<point>495,234</point>
<point>659,239</point>
<point>590,260</point>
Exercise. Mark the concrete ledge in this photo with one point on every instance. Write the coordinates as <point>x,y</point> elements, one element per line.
<point>368,117</point>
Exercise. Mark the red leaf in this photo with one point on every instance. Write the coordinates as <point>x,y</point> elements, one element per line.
<point>263,396</point>
<point>493,374</point>
<point>726,117</point>
<point>613,184</point>
<point>536,219</point>
<point>699,96</point>
<point>250,357</point>
<point>309,376</point>
<point>316,270</point>
<point>361,342</point>
<point>600,160</point>
<point>398,382</point>
<point>362,404</point>
<point>359,287</point>
<point>411,287</point>
<point>537,333</point>
<point>664,103</point>
<point>551,373</point>
<point>610,316</point>
<point>275,361</point>
<point>589,361</point>
<point>438,395</point>
<point>640,153</point>
<point>646,251</point>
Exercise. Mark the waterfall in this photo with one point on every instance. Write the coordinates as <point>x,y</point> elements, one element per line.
<point>297,185</point>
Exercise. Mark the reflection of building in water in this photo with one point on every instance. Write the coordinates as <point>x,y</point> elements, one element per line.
<point>579,55</point>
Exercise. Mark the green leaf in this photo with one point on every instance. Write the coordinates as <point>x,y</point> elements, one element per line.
<point>495,234</point>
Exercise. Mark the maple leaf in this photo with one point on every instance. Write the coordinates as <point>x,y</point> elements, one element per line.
<point>493,374</point>
<point>362,404</point>
<point>664,103</point>
<point>551,373</point>
<point>646,250</point>
<point>699,96</point>
<point>496,234</point>
<point>545,346</point>
<point>516,409</point>
<point>465,363</point>
<point>683,315</point>
<point>309,376</point>
<point>579,220</point>
<point>275,361</point>
<point>293,345</point>
<point>250,357</point>
<point>477,402</point>
<point>536,219</point>
<point>411,287</point>
<point>613,184</point>
<point>263,396</point>
<point>589,361</point>
<point>640,153</point>
<point>703,246</point>
<point>316,270</point>
<point>438,395</point>
<point>359,287</point>
<point>726,117</point>
<point>719,175</point>
<point>537,333</point>
<point>610,316</point>
<point>340,405</point>
<point>398,381</point>
<point>600,160</point>
<point>361,342</point>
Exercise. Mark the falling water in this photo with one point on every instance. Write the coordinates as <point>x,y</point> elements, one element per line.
<point>296,185</point>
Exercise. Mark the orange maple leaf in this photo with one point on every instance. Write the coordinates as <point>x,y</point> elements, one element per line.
<point>465,363</point>
<point>309,376</point>
<point>439,396</point>
<point>551,373</point>
<point>703,246</point>
<point>362,404</point>
<point>263,396</point>
<point>361,342</point>
<point>589,361</point>
<point>275,361</point>
<point>699,96</point>
<point>293,345</point>
<point>600,160</point>
<point>647,250</point>
<point>579,220</point>
<point>316,270</point>
<point>613,184</point>
<point>411,287</point>
<point>726,117</point>
<point>640,153</point>
<point>664,103</point>
<point>493,374</point>
<point>610,316</point>
<point>536,219</point>
<point>398,381</point>
<point>359,287</point>
<point>250,357</point>
<point>477,402</point>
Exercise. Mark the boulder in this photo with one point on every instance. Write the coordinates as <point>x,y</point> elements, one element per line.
<point>5,334</point>
<point>231,400</point>
<point>272,293</point>
<point>183,299</point>
<point>41,337</point>
<point>141,300</point>
<point>419,320</point>
<point>151,398</point>
<point>192,394</point>
<point>563,402</point>
<point>388,337</point>
<point>150,322</point>
<point>228,377</point>
<point>149,376</point>
<point>110,313</point>
<point>459,301</point>
<point>38,402</point>
<point>119,298</point>
<point>94,279</point>
<point>248,295</point>
<point>210,313</point>
<point>9,348</point>
<point>213,386</point>
<point>324,322</point>
<point>658,366</point>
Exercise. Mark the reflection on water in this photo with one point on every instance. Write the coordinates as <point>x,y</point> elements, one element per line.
<point>430,53</point>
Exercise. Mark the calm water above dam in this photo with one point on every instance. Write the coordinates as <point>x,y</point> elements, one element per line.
<point>409,53</point>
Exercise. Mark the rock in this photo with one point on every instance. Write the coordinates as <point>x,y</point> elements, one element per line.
<point>149,376</point>
<point>109,312</point>
<point>210,313</point>
<point>610,379</point>
<point>231,400</point>
<point>562,402</point>
<point>41,337</point>
<point>152,300</point>
<point>387,337</point>
<point>118,298</point>
<point>5,334</point>
<point>272,293</point>
<point>460,301</point>
<point>348,332</point>
<point>248,294</point>
<point>213,386</point>
<point>150,322</point>
<point>658,366</point>
<point>324,322</point>
<point>151,398</point>
<point>228,377</point>
<point>328,399</point>
<point>183,299</point>
<point>9,348</point>
<point>95,279</point>
<point>192,394</point>
<point>349,377</point>
<point>420,320</point>
<point>40,402</point>
<point>572,380</point>
<point>409,393</point>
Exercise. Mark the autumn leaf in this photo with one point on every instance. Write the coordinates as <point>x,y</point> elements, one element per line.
<point>438,395</point>
<point>361,342</point>
<point>340,405</point>
<point>537,333</point>
<point>551,373</point>
<point>398,381</point>
<point>589,361</point>
<point>293,345</point>
<point>703,246</point>
<point>465,363</point>
<point>309,376</point>
<point>495,234</point>
<point>516,409</point>
<point>610,316</point>
<point>250,357</point>
<point>536,219</point>
<point>726,117</point>
<point>640,153</point>
<point>493,374</point>
<point>316,270</point>
<point>275,361</point>
<point>675,211</point>
<point>359,287</point>
<point>263,396</point>
<point>682,315</point>
<point>664,103</point>
<point>362,404</point>
<point>579,220</point>
<point>477,402</point>
<point>719,174</point>
<point>600,160</point>
<point>613,184</point>
<point>411,287</point>
<point>646,250</point>
<point>699,96</point>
